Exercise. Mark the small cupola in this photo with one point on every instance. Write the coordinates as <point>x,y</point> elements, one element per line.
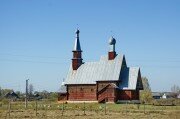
<point>77,46</point>
<point>112,52</point>
<point>77,56</point>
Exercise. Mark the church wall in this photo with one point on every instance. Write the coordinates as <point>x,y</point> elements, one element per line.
<point>106,91</point>
<point>128,94</point>
<point>62,96</point>
<point>82,92</point>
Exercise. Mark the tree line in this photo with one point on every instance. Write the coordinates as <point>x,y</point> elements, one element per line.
<point>32,95</point>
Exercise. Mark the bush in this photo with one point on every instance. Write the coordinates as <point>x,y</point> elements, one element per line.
<point>146,97</point>
<point>177,102</point>
<point>165,102</point>
<point>5,101</point>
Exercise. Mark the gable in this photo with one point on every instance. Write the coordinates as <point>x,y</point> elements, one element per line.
<point>139,84</point>
<point>129,77</point>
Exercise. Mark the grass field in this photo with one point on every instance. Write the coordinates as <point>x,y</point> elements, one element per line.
<point>53,110</point>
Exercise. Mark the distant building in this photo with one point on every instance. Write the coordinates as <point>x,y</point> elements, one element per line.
<point>156,95</point>
<point>163,95</point>
<point>167,95</point>
<point>109,79</point>
<point>178,96</point>
<point>12,95</point>
<point>37,97</point>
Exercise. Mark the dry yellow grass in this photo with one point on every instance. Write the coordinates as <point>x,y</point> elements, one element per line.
<point>74,114</point>
<point>52,110</point>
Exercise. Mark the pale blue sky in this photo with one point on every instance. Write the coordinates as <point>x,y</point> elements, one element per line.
<point>37,37</point>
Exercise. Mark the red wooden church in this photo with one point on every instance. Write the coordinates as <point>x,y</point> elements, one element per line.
<point>106,80</point>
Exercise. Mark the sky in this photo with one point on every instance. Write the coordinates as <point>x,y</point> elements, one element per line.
<point>37,37</point>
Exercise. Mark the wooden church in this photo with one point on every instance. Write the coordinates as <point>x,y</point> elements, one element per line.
<point>108,80</point>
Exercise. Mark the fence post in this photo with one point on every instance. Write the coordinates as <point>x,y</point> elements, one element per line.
<point>138,105</point>
<point>9,108</point>
<point>144,108</point>
<point>84,109</point>
<point>105,107</point>
<point>46,111</point>
<point>126,107</point>
<point>36,107</point>
<point>62,108</point>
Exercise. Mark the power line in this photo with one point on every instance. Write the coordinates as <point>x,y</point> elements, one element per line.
<point>9,60</point>
<point>131,60</point>
<point>153,60</point>
<point>142,66</point>
<point>33,56</point>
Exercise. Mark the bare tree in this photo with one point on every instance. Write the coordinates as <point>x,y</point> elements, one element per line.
<point>31,89</point>
<point>175,89</point>
<point>145,94</point>
<point>146,85</point>
<point>0,92</point>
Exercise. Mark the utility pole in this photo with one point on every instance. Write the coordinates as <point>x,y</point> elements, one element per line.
<point>26,98</point>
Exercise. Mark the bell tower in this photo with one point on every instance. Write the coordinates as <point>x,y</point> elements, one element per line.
<point>77,57</point>
<point>112,52</point>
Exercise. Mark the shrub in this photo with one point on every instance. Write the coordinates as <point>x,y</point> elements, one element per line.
<point>146,96</point>
<point>164,102</point>
<point>5,101</point>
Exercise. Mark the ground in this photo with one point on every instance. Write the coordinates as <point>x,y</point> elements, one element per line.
<point>53,110</point>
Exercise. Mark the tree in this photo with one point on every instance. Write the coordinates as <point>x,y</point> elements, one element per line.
<point>53,96</point>
<point>146,85</point>
<point>5,91</point>
<point>44,94</point>
<point>145,94</point>
<point>0,92</point>
<point>31,89</point>
<point>175,89</point>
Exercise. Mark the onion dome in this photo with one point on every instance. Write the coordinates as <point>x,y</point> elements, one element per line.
<point>112,41</point>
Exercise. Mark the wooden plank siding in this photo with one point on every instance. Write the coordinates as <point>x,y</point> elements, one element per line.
<point>128,95</point>
<point>82,92</point>
<point>106,91</point>
<point>62,96</point>
<point>101,91</point>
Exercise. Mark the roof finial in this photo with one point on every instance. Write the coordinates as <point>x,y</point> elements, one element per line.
<point>112,41</point>
<point>77,33</point>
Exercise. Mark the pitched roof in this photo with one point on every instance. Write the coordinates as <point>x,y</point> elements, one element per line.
<point>156,94</point>
<point>11,94</point>
<point>104,70</point>
<point>129,78</point>
<point>90,72</point>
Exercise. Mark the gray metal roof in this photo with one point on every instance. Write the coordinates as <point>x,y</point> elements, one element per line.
<point>90,72</point>
<point>156,93</point>
<point>129,78</point>
<point>104,70</point>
